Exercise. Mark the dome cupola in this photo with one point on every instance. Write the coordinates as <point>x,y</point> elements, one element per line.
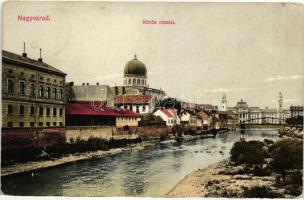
<point>135,73</point>
<point>135,68</point>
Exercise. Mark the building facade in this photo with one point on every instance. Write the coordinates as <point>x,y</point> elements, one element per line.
<point>33,93</point>
<point>296,111</point>
<point>256,115</point>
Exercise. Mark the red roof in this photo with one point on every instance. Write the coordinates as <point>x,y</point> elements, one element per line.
<point>133,99</point>
<point>166,112</point>
<point>89,109</point>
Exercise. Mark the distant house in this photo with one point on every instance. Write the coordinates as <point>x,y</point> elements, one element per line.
<point>141,104</point>
<point>188,118</point>
<point>168,115</point>
<point>206,119</point>
<point>86,114</point>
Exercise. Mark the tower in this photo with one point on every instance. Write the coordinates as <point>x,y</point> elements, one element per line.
<point>224,103</point>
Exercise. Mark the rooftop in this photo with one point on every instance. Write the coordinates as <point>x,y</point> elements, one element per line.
<point>24,60</point>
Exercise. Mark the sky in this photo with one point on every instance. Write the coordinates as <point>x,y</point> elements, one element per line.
<point>245,50</point>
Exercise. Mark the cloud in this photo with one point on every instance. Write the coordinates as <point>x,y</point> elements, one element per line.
<point>228,89</point>
<point>283,78</point>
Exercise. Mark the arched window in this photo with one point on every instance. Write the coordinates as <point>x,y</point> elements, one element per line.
<point>129,81</point>
<point>145,82</point>
<point>41,91</point>
<point>61,94</point>
<point>142,81</point>
<point>21,110</point>
<point>48,92</point>
<point>138,81</point>
<point>55,93</point>
<point>134,81</point>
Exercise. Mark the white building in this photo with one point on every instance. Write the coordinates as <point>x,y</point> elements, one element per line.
<point>141,104</point>
<point>168,115</point>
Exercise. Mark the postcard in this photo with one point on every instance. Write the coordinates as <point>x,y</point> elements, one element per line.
<point>152,99</point>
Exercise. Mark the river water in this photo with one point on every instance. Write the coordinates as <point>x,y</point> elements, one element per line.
<point>152,171</point>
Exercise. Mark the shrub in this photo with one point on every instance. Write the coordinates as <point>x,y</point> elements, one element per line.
<point>251,152</point>
<point>260,192</point>
<point>287,154</point>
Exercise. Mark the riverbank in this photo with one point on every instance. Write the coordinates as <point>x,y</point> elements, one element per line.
<point>65,159</point>
<point>37,165</point>
<point>220,180</point>
<point>238,179</point>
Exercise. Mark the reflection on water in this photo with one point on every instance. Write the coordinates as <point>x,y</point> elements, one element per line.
<point>152,171</point>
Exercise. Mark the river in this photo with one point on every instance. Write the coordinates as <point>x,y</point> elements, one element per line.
<point>152,171</point>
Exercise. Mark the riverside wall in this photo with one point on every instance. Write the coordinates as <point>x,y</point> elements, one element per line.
<point>27,138</point>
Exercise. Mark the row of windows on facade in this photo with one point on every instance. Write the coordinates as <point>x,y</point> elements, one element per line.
<point>10,110</point>
<point>32,124</point>
<point>137,108</point>
<point>42,92</point>
<point>143,82</point>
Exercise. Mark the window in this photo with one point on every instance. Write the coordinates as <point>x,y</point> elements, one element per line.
<point>21,88</point>
<point>32,110</point>
<point>134,81</point>
<point>48,124</point>
<point>21,110</point>
<point>47,111</point>
<point>32,89</point>
<point>32,124</point>
<point>54,112</point>
<point>10,109</point>
<point>142,81</point>
<point>129,81</point>
<point>55,93</point>
<point>10,86</point>
<point>40,111</point>
<point>54,123</point>
<point>144,108</point>
<point>60,124</point>
<point>21,124</point>
<point>40,124</point>
<point>138,81</point>
<point>10,124</point>
<point>48,92</point>
<point>125,107</point>
<point>41,91</point>
<point>61,111</point>
<point>137,109</point>
<point>61,94</point>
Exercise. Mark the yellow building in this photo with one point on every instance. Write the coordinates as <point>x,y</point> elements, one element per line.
<point>32,93</point>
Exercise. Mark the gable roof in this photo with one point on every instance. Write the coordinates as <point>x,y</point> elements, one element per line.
<point>133,99</point>
<point>166,112</point>
<point>22,60</point>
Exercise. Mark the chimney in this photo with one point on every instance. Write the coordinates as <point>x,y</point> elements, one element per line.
<point>40,59</point>
<point>87,83</point>
<point>24,54</point>
<point>83,83</point>
<point>97,83</point>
